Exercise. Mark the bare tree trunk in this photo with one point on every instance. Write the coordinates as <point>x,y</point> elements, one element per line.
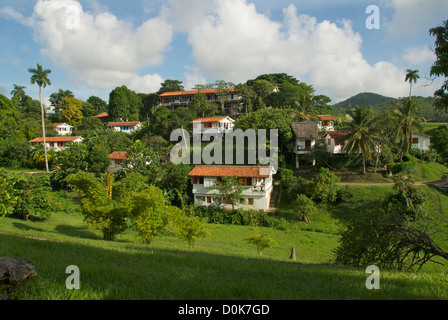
<point>43,129</point>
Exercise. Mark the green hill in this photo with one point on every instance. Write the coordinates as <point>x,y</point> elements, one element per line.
<point>379,102</point>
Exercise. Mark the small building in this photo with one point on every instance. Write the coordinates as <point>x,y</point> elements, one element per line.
<point>326,122</point>
<point>126,127</point>
<point>117,158</point>
<point>421,141</point>
<point>57,143</point>
<point>335,142</point>
<point>257,182</point>
<point>63,129</point>
<point>213,125</point>
<point>306,135</point>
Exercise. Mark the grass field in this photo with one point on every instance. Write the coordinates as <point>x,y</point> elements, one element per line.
<point>223,267</point>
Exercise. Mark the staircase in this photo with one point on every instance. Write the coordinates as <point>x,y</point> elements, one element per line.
<point>275,195</point>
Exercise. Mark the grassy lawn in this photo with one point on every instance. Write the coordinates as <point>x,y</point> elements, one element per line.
<point>223,267</point>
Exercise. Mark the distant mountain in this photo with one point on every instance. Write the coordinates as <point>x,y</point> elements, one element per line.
<point>364,98</point>
<point>379,102</point>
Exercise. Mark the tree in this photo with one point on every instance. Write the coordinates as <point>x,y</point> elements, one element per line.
<point>440,66</point>
<point>149,213</point>
<point>8,118</point>
<point>360,138</point>
<point>230,191</point>
<point>71,111</point>
<point>440,142</point>
<point>57,98</point>
<point>261,241</point>
<point>305,207</point>
<point>142,160</point>
<point>323,187</point>
<point>202,106</point>
<point>408,119</point>
<point>98,104</point>
<point>40,76</point>
<point>18,92</point>
<point>106,203</point>
<point>170,86</point>
<point>411,76</point>
<point>124,105</point>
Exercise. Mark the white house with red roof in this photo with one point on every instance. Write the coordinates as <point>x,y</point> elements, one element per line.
<point>127,127</point>
<point>63,129</point>
<point>326,122</point>
<point>257,185</point>
<point>56,143</point>
<point>335,142</point>
<point>212,125</point>
<point>117,158</point>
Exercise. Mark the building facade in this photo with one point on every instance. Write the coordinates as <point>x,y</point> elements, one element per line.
<point>57,143</point>
<point>257,185</point>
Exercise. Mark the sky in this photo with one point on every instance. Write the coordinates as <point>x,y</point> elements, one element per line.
<point>341,48</point>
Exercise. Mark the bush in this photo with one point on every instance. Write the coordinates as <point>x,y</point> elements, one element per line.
<point>407,166</point>
<point>261,241</point>
<point>305,207</point>
<point>324,187</point>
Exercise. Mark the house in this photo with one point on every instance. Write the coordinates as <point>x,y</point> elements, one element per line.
<point>182,98</point>
<point>213,125</point>
<point>335,142</point>
<point>117,158</point>
<point>127,127</point>
<point>306,134</point>
<point>257,182</point>
<point>63,129</point>
<point>421,141</point>
<point>57,143</point>
<point>326,122</point>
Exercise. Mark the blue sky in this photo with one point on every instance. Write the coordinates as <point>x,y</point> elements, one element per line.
<point>93,46</point>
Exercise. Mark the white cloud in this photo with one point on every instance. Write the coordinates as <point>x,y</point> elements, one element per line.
<point>236,43</point>
<point>420,55</point>
<point>413,17</point>
<point>99,49</point>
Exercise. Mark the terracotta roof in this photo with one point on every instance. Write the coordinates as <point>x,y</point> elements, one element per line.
<point>101,115</point>
<point>231,171</point>
<point>305,130</point>
<point>336,134</point>
<point>118,155</point>
<point>192,92</point>
<point>327,118</point>
<point>61,124</point>
<point>56,139</point>
<point>121,124</point>
<point>211,119</point>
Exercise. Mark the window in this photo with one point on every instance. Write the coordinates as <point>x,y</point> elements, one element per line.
<point>250,201</point>
<point>329,142</point>
<point>209,199</point>
<point>414,140</point>
<point>126,128</point>
<point>200,198</point>
<point>118,162</point>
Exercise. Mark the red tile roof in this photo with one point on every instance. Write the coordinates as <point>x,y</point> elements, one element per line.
<point>211,119</point>
<point>327,118</point>
<point>118,155</point>
<point>56,139</point>
<point>192,92</point>
<point>61,124</point>
<point>336,134</point>
<point>231,171</point>
<point>121,124</point>
<point>101,115</point>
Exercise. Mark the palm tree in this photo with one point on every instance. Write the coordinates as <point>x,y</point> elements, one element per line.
<point>360,138</point>
<point>411,76</point>
<point>40,76</point>
<point>18,92</point>
<point>408,115</point>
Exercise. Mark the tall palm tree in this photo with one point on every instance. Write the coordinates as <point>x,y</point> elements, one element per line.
<point>411,76</point>
<point>40,76</point>
<point>18,92</point>
<point>360,137</point>
<point>409,119</point>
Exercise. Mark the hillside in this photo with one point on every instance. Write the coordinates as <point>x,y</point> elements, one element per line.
<point>364,98</point>
<point>379,102</point>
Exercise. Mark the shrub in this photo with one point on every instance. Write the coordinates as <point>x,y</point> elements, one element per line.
<point>324,187</point>
<point>305,207</point>
<point>407,166</point>
<point>261,241</point>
